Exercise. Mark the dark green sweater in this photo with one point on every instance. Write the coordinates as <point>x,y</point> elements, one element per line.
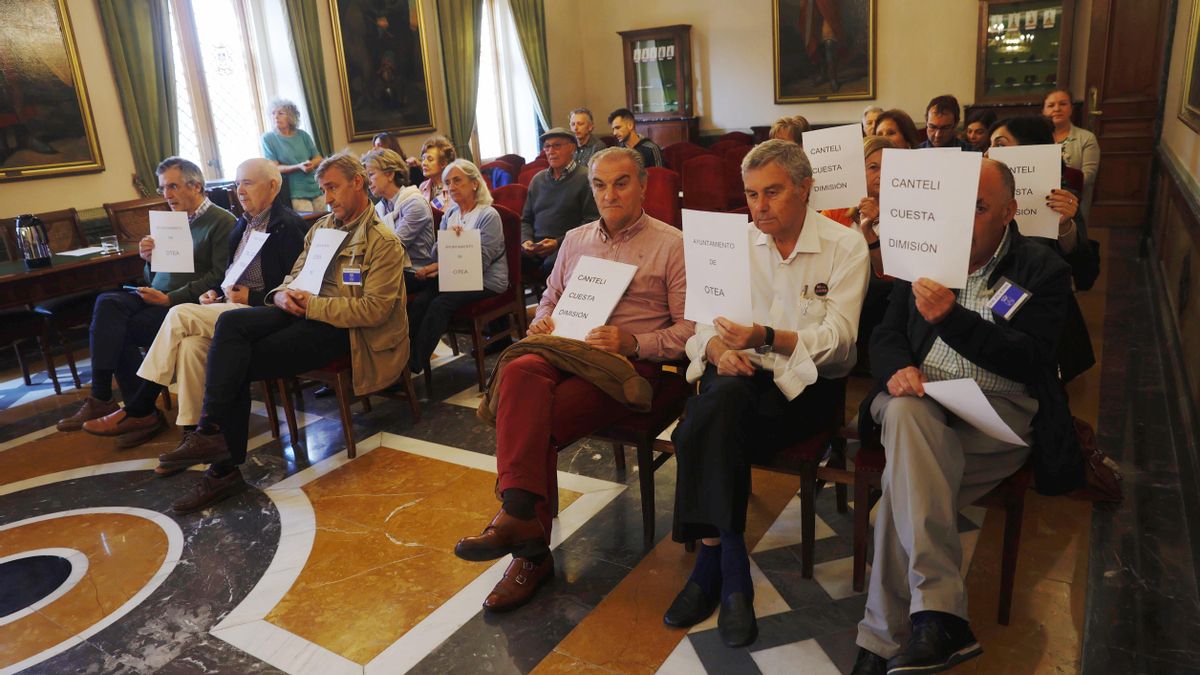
<point>555,207</point>
<point>210,245</point>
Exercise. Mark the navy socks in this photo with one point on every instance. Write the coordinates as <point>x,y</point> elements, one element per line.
<point>707,572</point>
<point>735,566</point>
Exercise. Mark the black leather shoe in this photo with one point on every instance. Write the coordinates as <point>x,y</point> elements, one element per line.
<point>869,663</point>
<point>690,607</point>
<point>323,392</point>
<point>939,641</point>
<point>736,623</point>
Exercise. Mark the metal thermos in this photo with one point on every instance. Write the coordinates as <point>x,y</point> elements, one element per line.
<point>33,241</point>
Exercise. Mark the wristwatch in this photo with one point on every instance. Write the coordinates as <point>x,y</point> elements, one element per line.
<point>768,341</point>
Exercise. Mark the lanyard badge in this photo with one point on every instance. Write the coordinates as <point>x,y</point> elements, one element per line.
<point>1007,299</point>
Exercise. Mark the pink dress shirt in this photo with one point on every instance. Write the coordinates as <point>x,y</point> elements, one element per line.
<point>652,307</point>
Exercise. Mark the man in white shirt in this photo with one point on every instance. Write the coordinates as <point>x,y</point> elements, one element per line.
<point>765,385</point>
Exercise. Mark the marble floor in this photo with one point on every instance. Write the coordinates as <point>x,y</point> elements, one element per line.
<point>330,565</point>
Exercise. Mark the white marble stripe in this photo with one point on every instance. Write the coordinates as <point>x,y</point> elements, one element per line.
<point>285,650</point>
<point>174,550</point>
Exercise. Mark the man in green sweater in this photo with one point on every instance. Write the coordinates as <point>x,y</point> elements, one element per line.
<point>560,199</point>
<point>125,322</point>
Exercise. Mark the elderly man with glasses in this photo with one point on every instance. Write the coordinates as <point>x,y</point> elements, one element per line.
<point>126,322</point>
<point>560,199</point>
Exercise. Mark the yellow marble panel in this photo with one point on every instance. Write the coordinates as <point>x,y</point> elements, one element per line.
<point>382,557</point>
<point>123,551</point>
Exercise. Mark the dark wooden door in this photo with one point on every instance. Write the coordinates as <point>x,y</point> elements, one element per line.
<point>1126,57</point>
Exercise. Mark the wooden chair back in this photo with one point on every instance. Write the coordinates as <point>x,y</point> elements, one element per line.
<point>62,227</point>
<point>130,220</point>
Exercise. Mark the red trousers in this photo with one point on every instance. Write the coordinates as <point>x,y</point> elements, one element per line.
<point>541,411</point>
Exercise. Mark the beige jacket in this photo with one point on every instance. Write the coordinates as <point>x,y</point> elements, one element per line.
<point>375,311</point>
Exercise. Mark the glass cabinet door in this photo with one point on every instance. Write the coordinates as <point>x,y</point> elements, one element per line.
<point>656,74</point>
<point>1022,49</point>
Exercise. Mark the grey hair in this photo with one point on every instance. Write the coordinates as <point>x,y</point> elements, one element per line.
<point>383,159</point>
<point>789,156</point>
<point>293,113</point>
<point>483,196</point>
<point>191,172</point>
<point>615,152</point>
<point>267,168</point>
<point>871,109</point>
<point>346,163</point>
<point>581,111</point>
<point>1006,176</point>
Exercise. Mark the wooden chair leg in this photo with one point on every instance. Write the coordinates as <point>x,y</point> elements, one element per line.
<point>645,460</point>
<point>1008,566</point>
<point>862,523</point>
<point>289,410</point>
<point>619,457</point>
<point>837,460</point>
<point>269,403</point>
<point>43,342</point>
<point>477,339</point>
<point>413,404</point>
<point>366,403</point>
<point>70,355</point>
<point>428,382</point>
<point>808,517</point>
<point>166,398</point>
<point>21,362</point>
<point>345,396</point>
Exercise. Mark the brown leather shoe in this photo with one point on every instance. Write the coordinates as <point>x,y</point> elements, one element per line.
<point>503,536</point>
<point>92,408</point>
<point>209,491</point>
<point>196,448</point>
<point>521,581</point>
<point>134,438</point>
<point>119,422</point>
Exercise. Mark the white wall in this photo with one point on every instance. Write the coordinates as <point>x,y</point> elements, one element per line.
<point>115,183</point>
<point>1178,137</point>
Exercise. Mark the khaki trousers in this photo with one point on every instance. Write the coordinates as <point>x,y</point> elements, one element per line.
<point>936,464</point>
<point>180,353</point>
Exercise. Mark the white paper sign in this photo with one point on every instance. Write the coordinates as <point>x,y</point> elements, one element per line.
<point>716,254</point>
<point>927,214</point>
<point>321,251</point>
<point>965,399</point>
<point>249,251</point>
<point>1037,170</point>
<point>460,261</point>
<point>595,288</point>
<point>839,180</point>
<point>172,242</point>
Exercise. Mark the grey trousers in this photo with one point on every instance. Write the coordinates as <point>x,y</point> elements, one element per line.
<point>936,464</point>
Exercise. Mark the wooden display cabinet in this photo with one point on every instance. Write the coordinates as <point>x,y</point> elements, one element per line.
<point>658,82</point>
<point>1024,49</point>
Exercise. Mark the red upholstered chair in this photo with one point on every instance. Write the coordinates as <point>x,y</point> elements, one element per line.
<point>511,197</point>
<point>517,162</point>
<point>437,216</point>
<point>472,318</point>
<point>496,165</point>
<point>739,136</point>
<point>527,174</point>
<point>721,147</point>
<point>742,209</point>
<point>732,159</point>
<point>675,154</point>
<point>662,196</point>
<point>704,184</point>
<point>338,376</point>
<point>1009,495</point>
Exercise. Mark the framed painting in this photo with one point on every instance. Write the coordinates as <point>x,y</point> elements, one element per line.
<point>383,66</point>
<point>46,124</point>
<point>1189,108</point>
<point>824,50</point>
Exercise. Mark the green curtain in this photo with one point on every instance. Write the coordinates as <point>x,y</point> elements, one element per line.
<point>138,34</point>
<point>310,58</point>
<point>459,24</point>
<point>530,18</point>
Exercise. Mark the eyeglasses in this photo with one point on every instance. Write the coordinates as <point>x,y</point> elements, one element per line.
<point>556,146</point>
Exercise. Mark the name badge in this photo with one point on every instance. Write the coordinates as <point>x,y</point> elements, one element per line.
<point>351,276</point>
<point>1007,299</point>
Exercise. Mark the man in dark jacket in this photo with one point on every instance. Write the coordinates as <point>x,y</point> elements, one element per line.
<point>936,461</point>
<point>264,244</point>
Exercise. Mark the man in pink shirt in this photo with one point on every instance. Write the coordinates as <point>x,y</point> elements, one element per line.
<point>542,409</point>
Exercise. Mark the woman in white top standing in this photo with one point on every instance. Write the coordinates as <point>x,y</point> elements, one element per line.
<point>470,208</point>
<point>1080,149</point>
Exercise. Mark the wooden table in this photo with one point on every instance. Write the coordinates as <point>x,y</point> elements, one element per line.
<point>67,274</point>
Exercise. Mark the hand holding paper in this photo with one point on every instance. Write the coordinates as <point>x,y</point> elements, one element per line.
<point>460,260</point>
<point>595,287</point>
<point>836,157</point>
<point>321,251</point>
<point>716,253</point>
<point>172,242</point>
<point>1037,170</point>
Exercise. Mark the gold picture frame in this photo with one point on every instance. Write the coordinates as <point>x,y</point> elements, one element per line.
<point>383,66</point>
<point>1189,100</point>
<point>46,123</point>
<point>806,42</point>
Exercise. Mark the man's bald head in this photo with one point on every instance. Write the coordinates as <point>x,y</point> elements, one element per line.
<point>258,182</point>
<point>995,207</point>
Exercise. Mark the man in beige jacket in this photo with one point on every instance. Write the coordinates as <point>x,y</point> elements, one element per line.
<point>359,312</point>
